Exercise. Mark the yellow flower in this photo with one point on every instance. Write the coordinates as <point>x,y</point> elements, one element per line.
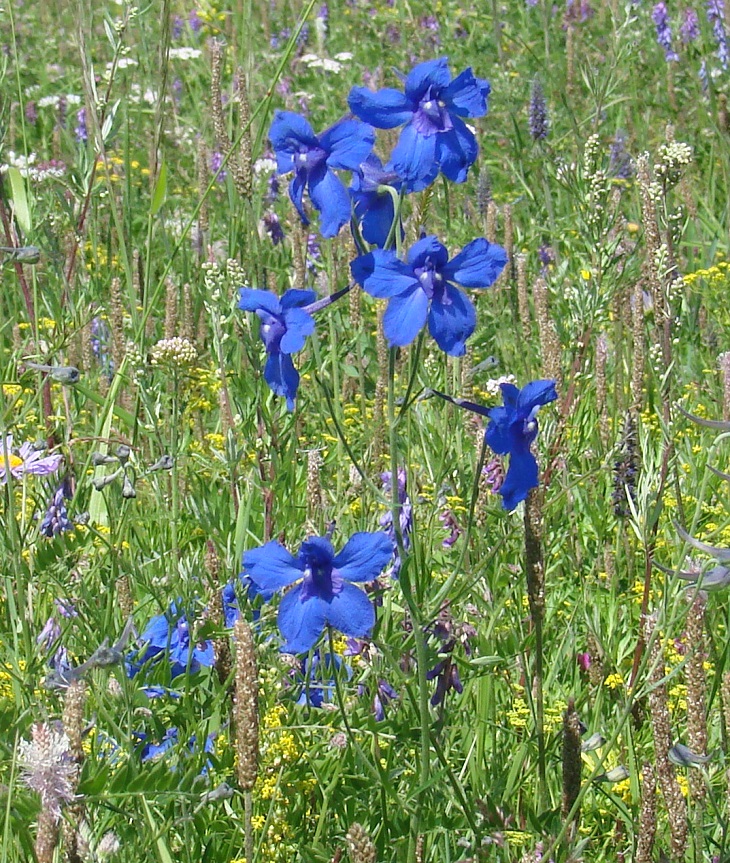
<point>613,681</point>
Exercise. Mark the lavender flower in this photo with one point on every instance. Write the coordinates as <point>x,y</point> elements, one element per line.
<point>690,28</point>
<point>272,228</point>
<point>660,17</point>
<point>716,17</point>
<point>539,121</point>
<point>216,160</point>
<point>26,460</point>
<point>621,165</point>
<point>81,132</point>
<point>405,517</point>
<point>448,519</point>
<point>56,519</point>
<point>47,767</point>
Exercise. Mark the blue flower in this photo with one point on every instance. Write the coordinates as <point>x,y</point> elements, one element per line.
<point>285,326</point>
<point>421,288</point>
<point>317,681</point>
<point>343,146</point>
<point>169,634</point>
<point>373,204</point>
<point>435,136</point>
<point>324,594</point>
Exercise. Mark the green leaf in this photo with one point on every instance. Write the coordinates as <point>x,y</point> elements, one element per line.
<point>20,199</point>
<point>163,852</point>
<point>160,192</point>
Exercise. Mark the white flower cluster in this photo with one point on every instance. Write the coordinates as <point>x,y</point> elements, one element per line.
<point>673,158</point>
<point>329,65</point>
<point>185,53</point>
<point>175,351</point>
<point>30,168</point>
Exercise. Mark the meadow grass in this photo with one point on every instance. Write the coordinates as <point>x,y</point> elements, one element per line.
<point>138,178</point>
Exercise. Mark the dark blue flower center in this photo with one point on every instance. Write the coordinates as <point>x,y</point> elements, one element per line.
<point>320,578</point>
<point>431,280</point>
<point>432,115</point>
<point>308,158</point>
<point>272,331</point>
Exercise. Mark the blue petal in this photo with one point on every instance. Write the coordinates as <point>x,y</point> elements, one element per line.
<point>428,248</point>
<point>405,316</point>
<point>414,158</point>
<point>330,197</point>
<point>382,274</point>
<point>467,95</point>
<point>498,434</point>
<point>510,395</point>
<point>375,213</point>
<point>295,297</point>
<point>157,632</point>
<point>272,567</point>
<point>296,191</point>
<point>351,612</point>
<point>287,133</point>
<point>301,623</point>
<point>348,143</point>
<point>432,73</point>
<point>521,477</point>
<point>535,394</point>
<point>251,300</point>
<point>452,320</point>
<point>477,265</point>
<point>282,377</point>
<point>299,325</point>
<point>456,151</point>
<point>204,654</point>
<point>385,109</point>
<point>364,556</point>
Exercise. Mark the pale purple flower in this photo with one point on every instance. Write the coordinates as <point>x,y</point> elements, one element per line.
<point>81,131</point>
<point>47,766</point>
<point>27,459</point>
<point>539,120</point>
<point>660,17</point>
<point>716,17</point>
<point>690,28</point>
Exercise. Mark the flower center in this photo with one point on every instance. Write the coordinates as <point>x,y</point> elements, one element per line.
<point>12,462</point>
<point>308,158</point>
<point>431,281</point>
<point>272,331</point>
<point>432,115</point>
<point>320,578</point>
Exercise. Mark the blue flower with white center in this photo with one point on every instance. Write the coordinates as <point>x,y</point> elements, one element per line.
<point>323,591</point>
<point>344,146</point>
<point>421,289</point>
<point>285,325</point>
<point>373,202</point>
<point>435,137</point>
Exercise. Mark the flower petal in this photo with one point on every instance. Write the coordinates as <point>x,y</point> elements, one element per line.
<point>301,623</point>
<point>351,612</point>
<point>498,434</point>
<point>414,158</point>
<point>382,274</point>
<point>456,151</point>
<point>272,567</point>
<point>288,132</point>
<point>296,192</point>
<point>348,143</point>
<point>428,248</point>
<point>521,477</point>
<point>299,325</point>
<point>467,95</point>
<point>252,299</point>
<point>364,556</point>
<point>282,377</point>
<point>452,320</point>
<point>432,73</point>
<point>296,297</point>
<point>405,316</point>
<point>477,265</point>
<point>376,213</point>
<point>536,394</point>
<point>385,109</point>
<point>330,197</point>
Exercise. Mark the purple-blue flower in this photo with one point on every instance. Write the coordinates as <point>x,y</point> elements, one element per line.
<point>690,29</point>
<point>169,633</point>
<point>660,17</point>
<point>344,146</point>
<point>322,590</point>
<point>432,110</point>
<point>421,289</point>
<point>373,203</point>
<point>716,17</point>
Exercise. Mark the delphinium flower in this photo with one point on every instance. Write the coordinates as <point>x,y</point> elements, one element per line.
<point>405,517</point>
<point>286,323</point>
<point>373,203</point>
<point>56,518</point>
<point>690,27</point>
<point>716,17</point>
<point>660,17</point>
<point>169,635</point>
<point>433,108</point>
<point>272,228</point>
<point>421,288</point>
<point>384,694</point>
<point>539,120</point>
<point>47,766</point>
<point>28,459</point>
<point>344,146</point>
<point>322,590</point>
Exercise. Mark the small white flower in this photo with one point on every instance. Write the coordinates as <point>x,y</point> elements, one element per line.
<point>185,53</point>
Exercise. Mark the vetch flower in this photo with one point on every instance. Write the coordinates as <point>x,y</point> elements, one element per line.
<point>373,203</point>
<point>344,146</point>
<point>286,323</point>
<point>421,288</point>
<point>27,459</point>
<point>324,593</point>
<point>435,137</point>
<point>660,17</point>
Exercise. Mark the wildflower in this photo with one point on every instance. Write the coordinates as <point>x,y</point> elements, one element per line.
<point>620,164</point>
<point>716,17</point>
<point>435,137</point>
<point>169,633</point>
<point>660,17</point>
<point>26,460</point>
<point>324,595</point>
<point>317,679</point>
<point>272,228</point>
<point>405,517</point>
<point>372,200</point>
<point>286,323</point>
<point>421,288</point>
<point>56,518</point>
<point>344,146</point>
<point>47,767</point>
<point>447,677</point>
<point>81,131</point>
<point>383,696</point>
<point>539,121</point>
<point>690,28</point>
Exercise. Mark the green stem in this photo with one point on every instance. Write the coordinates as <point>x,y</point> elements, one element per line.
<point>174,476</point>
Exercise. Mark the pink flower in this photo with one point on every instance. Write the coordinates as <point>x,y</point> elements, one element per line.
<point>27,459</point>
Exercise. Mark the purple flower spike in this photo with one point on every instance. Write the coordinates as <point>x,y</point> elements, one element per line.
<point>344,146</point>
<point>432,110</point>
<point>660,17</point>
<point>324,593</point>
<point>421,289</point>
